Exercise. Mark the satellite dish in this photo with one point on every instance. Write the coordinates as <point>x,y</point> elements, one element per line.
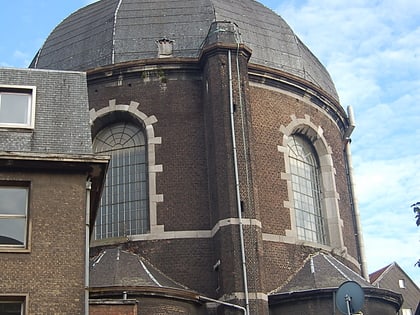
<point>349,297</point>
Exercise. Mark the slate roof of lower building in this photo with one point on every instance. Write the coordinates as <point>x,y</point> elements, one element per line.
<point>114,267</point>
<point>321,271</point>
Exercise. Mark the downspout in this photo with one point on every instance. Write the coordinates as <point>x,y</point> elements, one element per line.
<point>238,196</point>
<point>359,234</point>
<point>87,239</point>
<point>206,299</point>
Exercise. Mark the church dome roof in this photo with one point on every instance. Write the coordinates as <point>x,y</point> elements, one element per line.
<point>113,31</point>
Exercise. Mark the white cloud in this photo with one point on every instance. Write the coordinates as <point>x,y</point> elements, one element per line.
<point>372,51</point>
<point>389,182</point>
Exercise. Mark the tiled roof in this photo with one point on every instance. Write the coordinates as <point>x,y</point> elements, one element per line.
<point>116,267</point>
<point>321,271</point>
<point>375,275</point>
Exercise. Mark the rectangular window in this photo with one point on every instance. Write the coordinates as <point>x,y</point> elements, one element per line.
<point>17,106</point>
<point>401,283</point>
<point>12,305</point>
<point>407,311</point>
<point>13,216</point>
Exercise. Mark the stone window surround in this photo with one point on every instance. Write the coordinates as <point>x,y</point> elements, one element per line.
<point>330,198</point>
<point>153,168</point>
<point>157,232</point>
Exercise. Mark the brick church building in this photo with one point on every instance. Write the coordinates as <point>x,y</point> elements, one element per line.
<point>230,188</point>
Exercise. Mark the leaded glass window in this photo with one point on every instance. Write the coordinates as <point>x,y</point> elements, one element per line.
<point>124,205</point>
<point>306,187</point>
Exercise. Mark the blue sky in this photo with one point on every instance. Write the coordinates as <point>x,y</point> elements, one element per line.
<point>372,51</point>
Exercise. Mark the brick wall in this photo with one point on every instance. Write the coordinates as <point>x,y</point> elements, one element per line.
<point>114,307</point>
<point>197,181</point>
<point>52,272</point>
<point>271,110</point>
<point>179,111</point>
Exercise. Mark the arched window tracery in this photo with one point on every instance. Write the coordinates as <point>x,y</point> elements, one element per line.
<point>306,188</point>
<point>124,205</point>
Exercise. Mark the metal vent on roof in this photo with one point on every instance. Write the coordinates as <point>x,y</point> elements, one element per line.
<point>165,47</point>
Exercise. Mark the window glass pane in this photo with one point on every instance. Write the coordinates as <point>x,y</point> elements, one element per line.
<point>10,308</point>
<point>306,190</point>
<point>12,231</point>
<point>13,200</point>
<point>121,212</point>
<point>14,108</point>
<point>13,214</point>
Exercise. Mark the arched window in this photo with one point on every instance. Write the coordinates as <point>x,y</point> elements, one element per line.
<point>306,187</point>
<point>124,205</point>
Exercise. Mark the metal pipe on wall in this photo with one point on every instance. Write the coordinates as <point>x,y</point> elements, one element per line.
<point>206,299</point>
<point>358,226</point>
<point>87,239</point>
<point>238,197</point>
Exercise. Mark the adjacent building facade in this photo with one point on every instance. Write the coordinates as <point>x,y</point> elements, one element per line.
<point>392,277</point>
<point>230,173</point>
<point>48,174</point>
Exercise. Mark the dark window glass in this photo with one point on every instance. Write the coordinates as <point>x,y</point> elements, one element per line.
<point>123,209</point>
<point>11,308</point>
<point>306,189</point>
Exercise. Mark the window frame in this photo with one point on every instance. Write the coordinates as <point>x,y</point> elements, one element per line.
<point>315,195</point>
<point>401,283</point>
<point>25,90</point>
<point>111,222</point>
<point>25,246</point>
<point>330,199</point>
<point>406,311</point>
<point>15,299</point>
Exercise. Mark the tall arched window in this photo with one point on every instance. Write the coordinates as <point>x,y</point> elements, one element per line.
<point>124,205</point>
<point>306,187</point>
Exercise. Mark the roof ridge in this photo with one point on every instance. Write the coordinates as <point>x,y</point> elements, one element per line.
<point>114,27</point>
<point>144,261</point>
<point>378,274</point>
<point>347,268</point>
<point>294,274</point>
<point>336,268</point>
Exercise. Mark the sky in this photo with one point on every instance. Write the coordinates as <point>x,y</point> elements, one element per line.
<point>371,48</point>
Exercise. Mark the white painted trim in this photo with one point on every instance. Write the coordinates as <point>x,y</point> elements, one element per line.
<point>31,112</point>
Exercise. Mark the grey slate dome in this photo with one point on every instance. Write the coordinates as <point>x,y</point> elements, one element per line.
<point>113,31</point>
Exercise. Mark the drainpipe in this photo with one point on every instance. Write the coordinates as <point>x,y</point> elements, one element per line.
<point>359,234</point>
<point>87,239</point>
<point>238,197</point>
<point>206,299</point>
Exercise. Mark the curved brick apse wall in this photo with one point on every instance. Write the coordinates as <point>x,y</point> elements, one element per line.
<point>243,172</point>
